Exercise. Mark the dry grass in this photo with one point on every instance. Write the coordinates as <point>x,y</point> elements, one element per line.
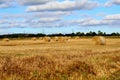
<point>76,59</point>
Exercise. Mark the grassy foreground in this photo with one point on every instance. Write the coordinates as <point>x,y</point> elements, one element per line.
<point>76,59</point>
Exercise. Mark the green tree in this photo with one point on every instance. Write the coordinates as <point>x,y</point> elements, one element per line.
<point>100,33</point>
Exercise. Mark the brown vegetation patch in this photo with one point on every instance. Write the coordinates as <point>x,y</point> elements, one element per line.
<point>115,76</point>
<point>42,67</point>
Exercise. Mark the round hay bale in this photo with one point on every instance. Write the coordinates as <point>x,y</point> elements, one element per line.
<point>56,38</point>
<point>77,37</point>
<point>69,37</point>
<point>47,39</point>
<point>63,39</point>
<point>34,38</point>
<point>66,38</point>
<point>99,40</point>
<point>41,38</point>
<point>6,40</point>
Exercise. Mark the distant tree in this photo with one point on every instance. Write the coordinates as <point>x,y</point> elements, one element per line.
<point>73,34</point>
<point>100,33</point>
<point>24,35</point>
<point>82,34</point>
<point>115,34</point>
<point>91,33</point>
<point>94,34</point>
<point>104,34</point>
<point>79,33</point>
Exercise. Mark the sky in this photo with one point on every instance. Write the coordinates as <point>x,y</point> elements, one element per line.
<point>59,16</point>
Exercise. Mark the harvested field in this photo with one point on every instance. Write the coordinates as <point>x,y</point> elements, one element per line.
<point>76,59</point>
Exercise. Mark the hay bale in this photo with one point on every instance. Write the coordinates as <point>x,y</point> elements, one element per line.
<point>56,38</point>
<point>69,37</point>
<point>60,38</point>
<point>66,38</point>
<point>6,40</point>
<point>63,39</point>
<point>41,38</point>
<point>99,40</point>
<point>34,38</point>
<point>47,39</point>
<point>77,37</point>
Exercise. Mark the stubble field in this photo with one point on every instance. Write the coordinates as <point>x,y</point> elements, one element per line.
<point>75,59</point>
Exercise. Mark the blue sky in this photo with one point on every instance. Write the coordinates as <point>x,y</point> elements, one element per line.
<point>59,16</point>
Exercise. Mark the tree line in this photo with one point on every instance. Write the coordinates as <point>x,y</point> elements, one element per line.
<point>25,35</point>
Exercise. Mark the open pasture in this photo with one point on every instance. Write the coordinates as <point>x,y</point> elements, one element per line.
<point>75,59</point>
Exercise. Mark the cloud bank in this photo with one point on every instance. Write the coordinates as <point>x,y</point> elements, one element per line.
<point>109,20</point>
<point>55,13</point>
<point>112,2</point>
<point>64,6</point>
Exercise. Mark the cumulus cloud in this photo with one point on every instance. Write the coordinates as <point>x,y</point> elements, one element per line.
<point>31,20</point>
<point>6,3</point>
<point>11,3</point>
<point>54,19</point>
<point>113,17</point>
<point>112,2</point>
<point>1,1</point>
<point>3,21</point>
<point>36,15</point>
<point>46,20</point>
<point>33,2</point>
<point>109,20</point>
<point>64,6</point>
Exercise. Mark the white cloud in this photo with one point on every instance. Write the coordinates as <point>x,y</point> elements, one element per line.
<point>46,20</point>
<point>109,20</point>
<point>1,1</point>
<point>33,2</point>
<point>6,3</point>
<point>113,17</point>
<point>3,21</point>
<point>112,2</point>
<point>36,20</point>
<point>64,6</point>
<point>36,15</point>
<point>31,20</point>
<point>116,2</point>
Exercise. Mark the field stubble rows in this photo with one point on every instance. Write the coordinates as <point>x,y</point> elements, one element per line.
<point>76,59</point>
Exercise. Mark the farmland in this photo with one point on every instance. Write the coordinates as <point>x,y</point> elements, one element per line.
<point>75,59</point>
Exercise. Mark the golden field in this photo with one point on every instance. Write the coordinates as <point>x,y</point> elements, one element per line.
<point>75,59</point>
